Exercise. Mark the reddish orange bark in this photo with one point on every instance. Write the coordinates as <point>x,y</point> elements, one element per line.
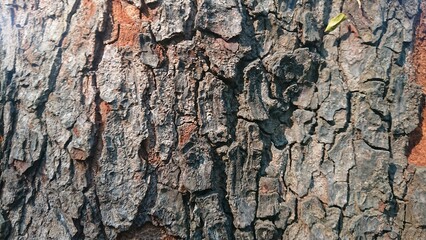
<point>418,152</point>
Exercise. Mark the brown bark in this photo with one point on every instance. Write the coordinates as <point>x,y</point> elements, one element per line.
<point>211,119</point>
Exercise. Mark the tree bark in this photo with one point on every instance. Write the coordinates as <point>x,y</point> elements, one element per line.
<point>211,119</point>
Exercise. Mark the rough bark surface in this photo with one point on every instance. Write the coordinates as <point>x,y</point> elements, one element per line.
<point>211,119</point>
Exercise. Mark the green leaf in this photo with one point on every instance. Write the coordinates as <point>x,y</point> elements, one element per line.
<point>335,22</point>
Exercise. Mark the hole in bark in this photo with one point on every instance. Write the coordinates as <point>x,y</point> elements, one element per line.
<point>143,153</point>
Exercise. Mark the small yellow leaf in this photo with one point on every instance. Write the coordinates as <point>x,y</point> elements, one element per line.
<point>334,22</point>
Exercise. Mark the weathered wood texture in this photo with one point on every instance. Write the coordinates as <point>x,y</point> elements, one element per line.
<point>211,119</point>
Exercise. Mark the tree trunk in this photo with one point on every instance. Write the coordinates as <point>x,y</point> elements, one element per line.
<point>212,119</point>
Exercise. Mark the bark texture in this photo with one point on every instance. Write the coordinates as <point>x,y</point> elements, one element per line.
<point>210,119</point>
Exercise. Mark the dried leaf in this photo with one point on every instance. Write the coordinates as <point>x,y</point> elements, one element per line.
<point>335,22</point>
